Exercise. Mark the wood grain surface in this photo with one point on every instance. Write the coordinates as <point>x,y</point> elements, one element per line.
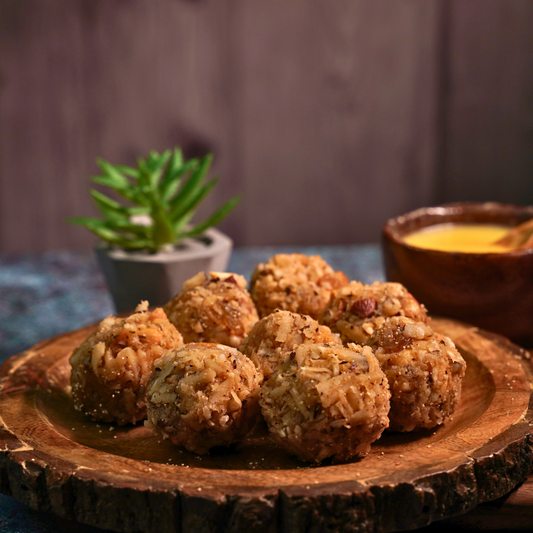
<point>290,97</point>
<point>55,460</point>
<point>328,118</point>
<point>351,107</point>
<point>487,98</point>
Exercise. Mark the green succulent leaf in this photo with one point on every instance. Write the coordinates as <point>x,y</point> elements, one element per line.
<point>151,160</point>
<point>162,230</point>
<point>191,201</point>
<point>99,228</point>
<point>134,229</point>
<point>114,176</point>
<point>109,182</point>
<point>214,219</point>
<point>193,184</point>
<point>104,226</point>
<point>127,171</point>
<point>156,165</point>
<point>180,225</point>
<point>129,192</point>
<point>174,173</point>
<point>172,188</point>
<point>111,210</point>
<point>144,175</point>
<point>137,210</point>
<point>163,186</point>
<point>84,221</point>
<point>174,165</point>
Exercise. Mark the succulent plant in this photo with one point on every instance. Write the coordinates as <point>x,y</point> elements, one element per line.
<point>163,193</point>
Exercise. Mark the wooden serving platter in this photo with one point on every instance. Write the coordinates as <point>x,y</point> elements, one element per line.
<point>53,459</point>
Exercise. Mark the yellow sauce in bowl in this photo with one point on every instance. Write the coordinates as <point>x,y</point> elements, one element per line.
<point>469,238</point>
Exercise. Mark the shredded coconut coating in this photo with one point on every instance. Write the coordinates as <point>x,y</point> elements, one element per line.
<point>327,401</point>
<point>424,370</point>
<point>203,395</point>
<point>110,368</point>
<point>294,282</point>
<point>355,311</point>
<point>271,340</point>
<point>217,309</point>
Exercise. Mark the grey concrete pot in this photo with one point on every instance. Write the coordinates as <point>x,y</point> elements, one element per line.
<point>135,276</point>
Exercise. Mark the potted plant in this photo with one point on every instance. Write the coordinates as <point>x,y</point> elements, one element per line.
<point>148,245</point>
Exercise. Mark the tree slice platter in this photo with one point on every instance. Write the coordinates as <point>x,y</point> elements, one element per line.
<point>123,478</point>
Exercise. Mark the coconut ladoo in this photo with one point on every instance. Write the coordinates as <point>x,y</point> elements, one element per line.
<point>275,336</point>
<point>110,368</point>
<point>294,282</point>
<point>424,370</point>
<point>326,401</point>
<point>356,310</point>
<point>202,395</point>
<point>215,308</point>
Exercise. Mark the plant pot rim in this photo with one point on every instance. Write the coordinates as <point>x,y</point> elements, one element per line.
<point>191,249</point>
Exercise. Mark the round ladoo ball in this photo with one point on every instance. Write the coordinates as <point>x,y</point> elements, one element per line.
<point>326,401</point>
<point>356,310</point>
<point>275,336</point>
<point>203,395</point>
<point>216,309</point>
<point>424,370</point>
<point>110,368</point>
<point>294,282</point>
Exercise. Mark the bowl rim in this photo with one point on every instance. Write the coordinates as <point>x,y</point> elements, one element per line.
<point>515,211</point>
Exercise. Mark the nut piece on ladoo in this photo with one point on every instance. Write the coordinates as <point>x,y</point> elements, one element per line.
<point>272,339</point>
<point>202,395</point>
<point>110,368</point>
<point>424,370</point>
<point>294,282</point>
<point>216,309</point>
<point>327,401</point>
<point>356,310</point>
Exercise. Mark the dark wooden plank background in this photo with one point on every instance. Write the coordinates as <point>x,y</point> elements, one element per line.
<point>327,116</point>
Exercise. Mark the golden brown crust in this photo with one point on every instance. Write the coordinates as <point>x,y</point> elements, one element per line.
<point>356,310</point>
<point>217,309</point>
<point>272,339</point>
<point>202,395</point>
<point>424,370</point>
<point>326,401</point>
<point>110,368</point>
<point>321,399</point>
<point>294,282</point>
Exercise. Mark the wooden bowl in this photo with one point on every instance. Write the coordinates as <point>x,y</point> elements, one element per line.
<point>492,291</point>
